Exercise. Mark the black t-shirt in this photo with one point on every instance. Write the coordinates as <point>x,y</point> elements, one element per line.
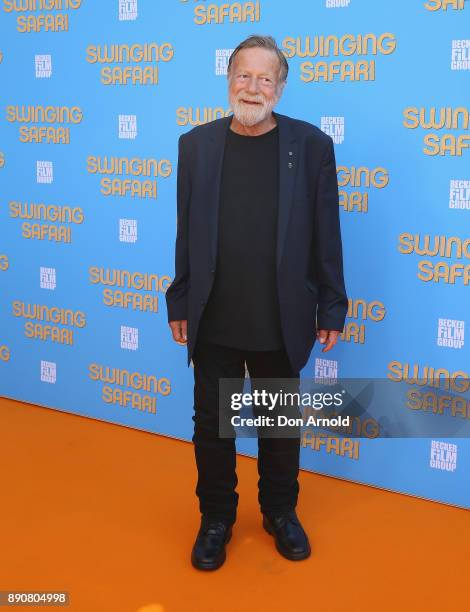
<point>243,306</point>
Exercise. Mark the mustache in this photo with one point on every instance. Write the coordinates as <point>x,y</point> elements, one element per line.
<point>258,99</point>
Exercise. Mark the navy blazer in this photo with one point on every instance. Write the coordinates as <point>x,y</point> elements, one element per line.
<point>310,279</point>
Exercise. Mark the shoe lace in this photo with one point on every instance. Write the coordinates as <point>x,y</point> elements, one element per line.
<point>287,517</point>
<point>215,527</point>
<point>293,519</point>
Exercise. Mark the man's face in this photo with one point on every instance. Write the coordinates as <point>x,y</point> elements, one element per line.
<point>254,87</point>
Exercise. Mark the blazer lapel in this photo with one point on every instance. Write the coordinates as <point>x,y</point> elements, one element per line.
<point>287,170</point>
<point>214,162</point>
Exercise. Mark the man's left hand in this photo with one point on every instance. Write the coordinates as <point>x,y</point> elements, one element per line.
<point>328,337</point>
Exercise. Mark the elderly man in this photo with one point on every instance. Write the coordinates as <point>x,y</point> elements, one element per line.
<point>258,277</point>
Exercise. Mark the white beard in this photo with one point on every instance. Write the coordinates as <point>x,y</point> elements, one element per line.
<point>248,114</point>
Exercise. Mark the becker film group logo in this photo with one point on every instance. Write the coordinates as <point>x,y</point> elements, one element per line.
<point>443,456</point>
<point>337,3</point>
<point>334,127</point>
<point>47,278</point>
<point>459,194</point>
<point>48,371</point>
<point>127,10</point>
<point>460,54</point>
<point>222,57</point>
<point>43,66</point>
<point>450,333</point>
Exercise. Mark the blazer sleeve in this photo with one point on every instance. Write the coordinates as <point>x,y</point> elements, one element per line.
<point>332,299</point>
<point>177,293</point>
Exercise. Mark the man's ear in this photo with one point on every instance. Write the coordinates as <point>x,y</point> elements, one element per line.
<point>280,89</point>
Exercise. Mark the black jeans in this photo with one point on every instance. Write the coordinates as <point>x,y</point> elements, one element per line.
<point>278,458</point>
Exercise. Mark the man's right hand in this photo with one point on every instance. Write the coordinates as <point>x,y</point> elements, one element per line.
<point>179,329</point>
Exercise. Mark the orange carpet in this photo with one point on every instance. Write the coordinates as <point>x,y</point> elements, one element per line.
<point>82,511</point>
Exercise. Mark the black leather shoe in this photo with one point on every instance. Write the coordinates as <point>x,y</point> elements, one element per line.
<point>209,548</point>
<point>289,536</point>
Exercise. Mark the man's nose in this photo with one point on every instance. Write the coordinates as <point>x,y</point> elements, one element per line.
<point>252,85</point>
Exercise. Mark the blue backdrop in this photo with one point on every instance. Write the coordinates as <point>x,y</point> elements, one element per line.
<point>93,98</point>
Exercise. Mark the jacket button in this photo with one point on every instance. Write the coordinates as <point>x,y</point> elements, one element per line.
<point>212,271</point>
<point>202,302</point>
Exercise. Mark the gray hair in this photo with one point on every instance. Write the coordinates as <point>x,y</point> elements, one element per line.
<point>265,42</point>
